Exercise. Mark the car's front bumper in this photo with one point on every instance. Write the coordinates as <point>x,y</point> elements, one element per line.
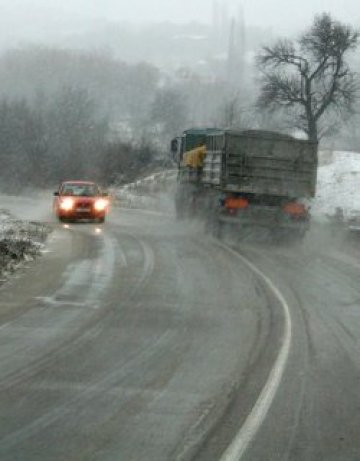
<point>81,214</point>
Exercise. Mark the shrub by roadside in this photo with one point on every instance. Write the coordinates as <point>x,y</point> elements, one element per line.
<point>20,241</point>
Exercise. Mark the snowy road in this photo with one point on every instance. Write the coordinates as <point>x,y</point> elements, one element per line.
<point>143,340</point>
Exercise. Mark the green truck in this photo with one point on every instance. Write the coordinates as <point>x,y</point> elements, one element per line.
<point>248,179</point>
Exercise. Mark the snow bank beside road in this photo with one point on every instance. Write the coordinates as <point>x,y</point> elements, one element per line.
<point>19,241</point>
<point>149,193</point>
<point>338,185</point>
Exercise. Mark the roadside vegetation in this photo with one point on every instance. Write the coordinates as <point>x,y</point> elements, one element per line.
<point>79,114</point>
<point>64,138</point>
<point>20,242</point>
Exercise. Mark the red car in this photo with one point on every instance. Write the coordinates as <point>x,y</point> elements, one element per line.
<point>77,200</point>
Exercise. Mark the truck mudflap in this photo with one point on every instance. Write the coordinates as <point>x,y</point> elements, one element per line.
<point>259,221</point>
<point>273,219</point>
<point>262,215</point>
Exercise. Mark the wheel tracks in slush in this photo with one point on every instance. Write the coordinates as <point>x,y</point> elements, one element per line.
<point>254,420</point>
<point>257,415</point>
<point>92,328</point>
<point>101,384</point>
<point>96,387</point>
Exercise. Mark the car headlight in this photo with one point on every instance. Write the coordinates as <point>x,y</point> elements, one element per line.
<point>101,204</point>
<point>67,204</point>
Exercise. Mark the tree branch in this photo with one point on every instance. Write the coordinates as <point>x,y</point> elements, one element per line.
<point>312,76</point>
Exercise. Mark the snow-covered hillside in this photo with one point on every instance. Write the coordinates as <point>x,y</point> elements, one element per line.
<point>338,185</point>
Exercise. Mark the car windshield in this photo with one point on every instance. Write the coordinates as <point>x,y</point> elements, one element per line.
<point>80,190</point>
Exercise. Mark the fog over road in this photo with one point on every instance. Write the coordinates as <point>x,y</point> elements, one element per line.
<point>143,339</point>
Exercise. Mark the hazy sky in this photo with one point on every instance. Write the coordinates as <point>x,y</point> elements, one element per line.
<point>262,12</point>
<point>278,14</point>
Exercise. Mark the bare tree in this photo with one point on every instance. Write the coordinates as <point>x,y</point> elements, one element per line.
<point>310,77</point>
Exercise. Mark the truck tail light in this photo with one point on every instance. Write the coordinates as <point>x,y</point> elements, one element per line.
<point>295,209</point>
<point>236,203</point>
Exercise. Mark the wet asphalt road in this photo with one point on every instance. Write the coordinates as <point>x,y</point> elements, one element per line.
<point>144,340</point>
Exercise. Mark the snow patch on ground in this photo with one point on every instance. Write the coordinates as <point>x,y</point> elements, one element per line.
<point>151,192</point>
<point>20,241</point>
<point>338,185</point>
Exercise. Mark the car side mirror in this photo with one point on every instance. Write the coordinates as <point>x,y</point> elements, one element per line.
<point>56,194</point>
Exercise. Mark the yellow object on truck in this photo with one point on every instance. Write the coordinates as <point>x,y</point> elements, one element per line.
<point>195,158</point>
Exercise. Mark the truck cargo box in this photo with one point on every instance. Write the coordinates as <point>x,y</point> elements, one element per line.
<point>260,162</point>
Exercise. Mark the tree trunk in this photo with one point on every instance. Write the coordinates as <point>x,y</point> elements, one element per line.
<point>313,133</point>
<point>311,120</point>
<point>312,130</point>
